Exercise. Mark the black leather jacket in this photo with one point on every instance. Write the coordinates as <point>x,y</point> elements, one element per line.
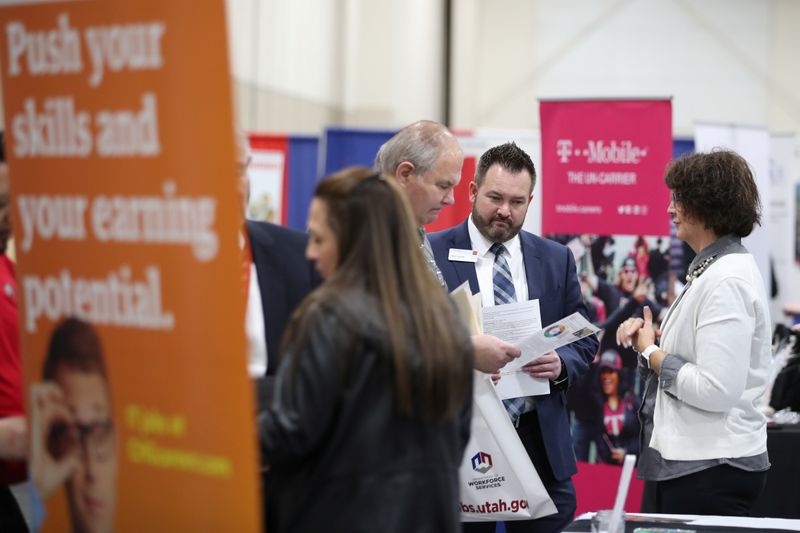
<point>341,458</point>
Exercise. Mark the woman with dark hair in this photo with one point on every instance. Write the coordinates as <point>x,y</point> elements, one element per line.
<point>620,431</point>
<point>370,414</point>
<point>704,442</point>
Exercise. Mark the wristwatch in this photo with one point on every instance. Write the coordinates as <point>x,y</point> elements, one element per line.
<point>647,352</point>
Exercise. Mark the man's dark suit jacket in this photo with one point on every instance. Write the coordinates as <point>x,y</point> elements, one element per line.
<point>552,278</point>
<point>285,278</point>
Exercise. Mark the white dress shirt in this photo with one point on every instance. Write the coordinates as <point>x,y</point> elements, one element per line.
<point>484,270</point>
<point>254,329</point>
<point>484,267</point>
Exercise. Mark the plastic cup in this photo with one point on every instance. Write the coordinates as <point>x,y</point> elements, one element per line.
<point>601,522</point>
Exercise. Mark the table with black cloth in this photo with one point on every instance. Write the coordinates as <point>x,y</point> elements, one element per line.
<point>781,496</point>
<point>683,523</point>
<point>780,499</point>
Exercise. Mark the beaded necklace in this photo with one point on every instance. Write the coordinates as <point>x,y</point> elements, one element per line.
<point>699,269</point>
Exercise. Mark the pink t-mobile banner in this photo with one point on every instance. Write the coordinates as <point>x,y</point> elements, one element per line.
<point>603,166</point>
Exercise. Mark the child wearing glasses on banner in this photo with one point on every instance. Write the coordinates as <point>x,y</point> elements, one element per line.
<point>72,433</point>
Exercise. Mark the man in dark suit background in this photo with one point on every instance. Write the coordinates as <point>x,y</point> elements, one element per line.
<point>276,277</point>
<point>540,269</point>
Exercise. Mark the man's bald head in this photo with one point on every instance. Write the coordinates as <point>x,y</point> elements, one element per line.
<point>426,160</point>
<point>420,143</point>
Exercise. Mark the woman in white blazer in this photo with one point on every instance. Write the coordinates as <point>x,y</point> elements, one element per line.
<point>704,444</point>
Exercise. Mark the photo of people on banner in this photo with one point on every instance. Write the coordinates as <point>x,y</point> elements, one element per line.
<point>73,438</point>
<point>619,275</point>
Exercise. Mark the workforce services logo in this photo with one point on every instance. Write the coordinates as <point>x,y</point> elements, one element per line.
<point>482,462</point>
<point>600,151</point>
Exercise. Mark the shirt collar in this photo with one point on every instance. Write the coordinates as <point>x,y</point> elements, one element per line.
<point>481,244</point>
<point>715,248</point>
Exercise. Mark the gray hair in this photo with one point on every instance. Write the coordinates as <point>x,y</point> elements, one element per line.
<point>420,144</point>
<point>243,144</point>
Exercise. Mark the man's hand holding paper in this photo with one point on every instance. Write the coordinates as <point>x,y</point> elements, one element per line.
<point>530,374</point>
<point>547,366</point>
<point>513,343</point>
<point>565,331</point>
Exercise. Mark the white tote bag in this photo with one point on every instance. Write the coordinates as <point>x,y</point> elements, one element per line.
<point>498,480</point>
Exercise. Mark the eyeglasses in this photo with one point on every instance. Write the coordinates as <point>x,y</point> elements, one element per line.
<point>675,198</point>
<point>96,439</point>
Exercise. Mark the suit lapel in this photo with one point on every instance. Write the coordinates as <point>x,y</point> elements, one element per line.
<point>533,265</point>
<point>465,271</point>
<point>273,306</point>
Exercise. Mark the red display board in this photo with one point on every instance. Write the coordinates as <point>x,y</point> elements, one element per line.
<point>603,164</point>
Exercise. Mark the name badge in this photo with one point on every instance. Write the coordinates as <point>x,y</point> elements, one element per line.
<point>465,256</point>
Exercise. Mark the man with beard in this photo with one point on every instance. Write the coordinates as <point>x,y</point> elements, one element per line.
<point>514,265</point>
<point>425,159</point>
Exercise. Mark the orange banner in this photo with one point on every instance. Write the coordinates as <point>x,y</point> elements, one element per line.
<point>119,137</point>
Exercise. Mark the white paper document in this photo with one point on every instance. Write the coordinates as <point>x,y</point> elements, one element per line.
<point>468,308</point>
<point>512,322</point>
<point>520,324</point>
<point>558,334</point>
<point>518,384</point>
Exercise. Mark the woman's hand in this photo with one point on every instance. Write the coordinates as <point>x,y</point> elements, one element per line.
<point>636,332</point>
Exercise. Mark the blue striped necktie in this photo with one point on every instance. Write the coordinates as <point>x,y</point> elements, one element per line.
<point>504,293</point>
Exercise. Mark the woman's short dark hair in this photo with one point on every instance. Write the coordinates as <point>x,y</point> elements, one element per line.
<point>717,189</point>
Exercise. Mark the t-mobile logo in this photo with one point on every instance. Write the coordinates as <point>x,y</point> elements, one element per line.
<point>563,149</point>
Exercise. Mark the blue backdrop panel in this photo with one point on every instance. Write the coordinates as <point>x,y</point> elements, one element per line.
<point>345,147</point>
<point>303,165</point>
<point>682,146</point>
